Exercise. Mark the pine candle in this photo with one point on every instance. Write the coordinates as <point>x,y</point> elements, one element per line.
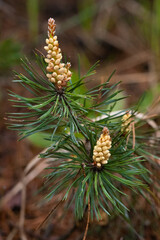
<point>101,151</point>
<point>126,123</point>
<point>58,72</point>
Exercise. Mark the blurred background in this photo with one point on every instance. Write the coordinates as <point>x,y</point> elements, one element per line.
<point>122,34</point>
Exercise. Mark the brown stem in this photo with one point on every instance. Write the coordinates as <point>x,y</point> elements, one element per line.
<point>89,208</point>
<point>53,209</point>
<point>48,215</point>
<point>134,136</point>
<point>88,219</point>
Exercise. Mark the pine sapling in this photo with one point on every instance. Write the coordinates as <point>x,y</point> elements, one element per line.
<point>90,160</point>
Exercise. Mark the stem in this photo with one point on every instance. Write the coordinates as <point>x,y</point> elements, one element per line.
<point>71,112</point>
<point>53,209</point>
<point>89,208</point>
<point>49,214</point>
<point>88,218</point>
<point>134,136</point>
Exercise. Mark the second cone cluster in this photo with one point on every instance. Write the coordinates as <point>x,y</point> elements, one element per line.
<point>101,151</point>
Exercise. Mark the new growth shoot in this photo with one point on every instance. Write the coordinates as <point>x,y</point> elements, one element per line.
<point>101,152</point>
<point>59,72</point>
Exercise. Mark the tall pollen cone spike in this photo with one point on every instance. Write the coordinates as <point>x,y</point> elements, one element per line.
<point>101,152</point>
<point>58,72</point>
<point>126,123</point>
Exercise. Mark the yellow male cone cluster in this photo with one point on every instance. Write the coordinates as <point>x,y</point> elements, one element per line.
<point>101,152</point>
<point>126,123</point>
<point>59,72</point>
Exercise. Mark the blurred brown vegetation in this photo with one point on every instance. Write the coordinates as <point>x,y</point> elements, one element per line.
<point>122,34</point>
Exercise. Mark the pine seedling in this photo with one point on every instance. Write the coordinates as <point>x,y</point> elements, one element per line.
<point>93,158</point>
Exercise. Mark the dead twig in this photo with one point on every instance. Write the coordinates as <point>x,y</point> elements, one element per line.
<point>131,61</point>
<point>12,234</point>
<point>19,186</point>
<point>22,212</point>
<point>53,209</point>
<point>33,162</point>
<point>49,214</point>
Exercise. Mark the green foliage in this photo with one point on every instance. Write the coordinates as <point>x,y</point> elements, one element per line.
<point>50,109</point>
<point>83,17</point>
<point>155,37</point>
<point>9,54</point>
<point>150,25</point>
<point>149,97</point>
<point>40,139</point>
<point>104,187</point>
<point>73,119</point>
<point>88,8</point>
<point>33,13</point>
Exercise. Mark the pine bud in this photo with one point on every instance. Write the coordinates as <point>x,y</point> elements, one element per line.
<point>126,123</point>
<point>101,152</point>
<point>51,40</point>
<point>56,43</point>
<point>50,46</point>
<point>59,82</point>
<point>54,54</point>
<point>47,41</point>
<point>54,74</point>
<point>46,48</point>
<point>49,56</point>
<point>51,27</point>
<point>55,48</point>
<point>53,80</point>
<point>46,60</point>
<point>57,61</point>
